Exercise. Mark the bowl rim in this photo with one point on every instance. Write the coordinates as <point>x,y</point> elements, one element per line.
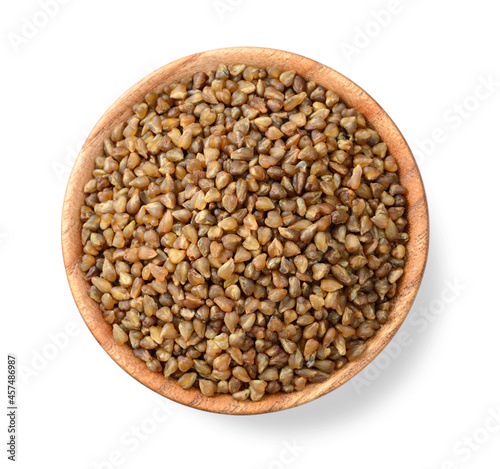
<point>351,94</point>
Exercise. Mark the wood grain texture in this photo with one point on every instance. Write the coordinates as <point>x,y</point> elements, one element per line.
<point>351,94</point>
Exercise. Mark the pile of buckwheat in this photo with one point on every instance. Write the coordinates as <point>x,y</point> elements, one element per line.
<point>244,231</point>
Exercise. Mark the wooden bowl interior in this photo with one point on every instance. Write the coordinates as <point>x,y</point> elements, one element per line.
<point>352,95</point>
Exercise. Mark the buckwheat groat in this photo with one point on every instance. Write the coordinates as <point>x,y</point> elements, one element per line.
<point>244,231</point>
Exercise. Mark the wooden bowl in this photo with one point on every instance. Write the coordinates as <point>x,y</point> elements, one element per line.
<point>351,94</point>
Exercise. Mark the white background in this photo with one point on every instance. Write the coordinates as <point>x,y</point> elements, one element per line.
<point>428,402</point>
